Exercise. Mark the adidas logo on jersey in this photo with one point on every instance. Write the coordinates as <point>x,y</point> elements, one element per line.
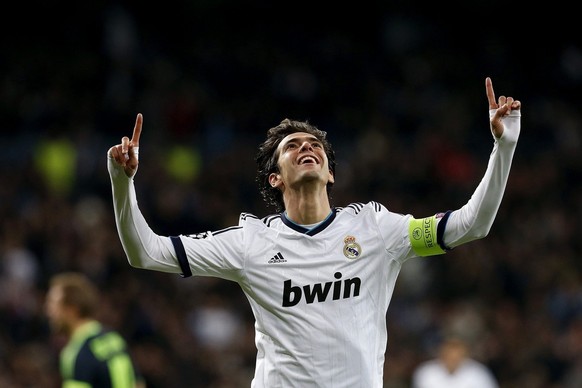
<point>278,258</point>
<point>319,292</point>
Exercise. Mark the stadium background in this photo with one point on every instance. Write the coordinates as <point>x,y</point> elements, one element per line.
<point>400,90</point>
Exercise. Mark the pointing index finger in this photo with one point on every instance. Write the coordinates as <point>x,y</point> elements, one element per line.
<point>137,130</point>
<point>490,93</point>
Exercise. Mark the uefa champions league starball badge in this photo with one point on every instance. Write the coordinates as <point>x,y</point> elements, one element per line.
<point>352,250</point>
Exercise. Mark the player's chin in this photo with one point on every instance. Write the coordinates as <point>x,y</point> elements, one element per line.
<point>314,175</point>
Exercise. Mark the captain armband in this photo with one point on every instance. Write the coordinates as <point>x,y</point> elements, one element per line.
<point>423,236</point>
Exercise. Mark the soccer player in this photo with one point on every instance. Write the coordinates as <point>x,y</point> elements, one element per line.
<point>319,279</point>
<point>93,356</point>
<point>453,368</point>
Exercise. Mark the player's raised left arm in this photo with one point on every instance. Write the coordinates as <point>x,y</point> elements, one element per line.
<point>475,219</point>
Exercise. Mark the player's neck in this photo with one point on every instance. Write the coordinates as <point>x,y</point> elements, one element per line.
<point>78,324</point>
<point>307,210</point>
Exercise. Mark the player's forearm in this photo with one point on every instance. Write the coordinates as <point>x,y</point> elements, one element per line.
<point>475,219</point>
<point>143,248</point>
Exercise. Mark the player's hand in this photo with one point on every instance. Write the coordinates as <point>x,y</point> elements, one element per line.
<point>126,154</point>
<point>499,110</point>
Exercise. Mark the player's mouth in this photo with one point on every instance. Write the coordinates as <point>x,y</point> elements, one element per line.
<point>307,159</point>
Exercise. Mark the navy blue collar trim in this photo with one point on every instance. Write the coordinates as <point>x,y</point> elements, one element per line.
<point>310,232</point>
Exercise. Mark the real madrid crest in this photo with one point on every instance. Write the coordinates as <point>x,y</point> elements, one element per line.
<point>352,250</point>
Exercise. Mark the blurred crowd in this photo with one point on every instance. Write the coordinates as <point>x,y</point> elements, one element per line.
<point>402,98</point>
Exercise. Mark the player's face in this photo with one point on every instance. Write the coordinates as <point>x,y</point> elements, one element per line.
<point>56,311</point>
<point>452,353</point>
<point>302,159</point>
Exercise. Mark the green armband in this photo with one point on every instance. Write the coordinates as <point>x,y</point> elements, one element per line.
<point>423,236</point>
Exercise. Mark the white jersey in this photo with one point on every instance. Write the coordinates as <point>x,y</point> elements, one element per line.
<point>469,374</point>
<point>319,296</point>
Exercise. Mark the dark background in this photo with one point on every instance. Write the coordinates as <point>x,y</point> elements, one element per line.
<point>398,86</point>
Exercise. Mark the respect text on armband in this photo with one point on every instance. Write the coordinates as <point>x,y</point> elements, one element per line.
<point>428,235</point>
<point>423,236</point>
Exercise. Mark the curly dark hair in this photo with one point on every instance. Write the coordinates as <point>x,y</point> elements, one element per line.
<point>267,158</point>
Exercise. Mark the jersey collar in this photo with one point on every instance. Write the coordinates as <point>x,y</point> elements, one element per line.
<point>313,231</point>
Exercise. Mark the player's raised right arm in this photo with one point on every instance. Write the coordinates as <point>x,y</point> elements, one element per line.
<point>143,248</point>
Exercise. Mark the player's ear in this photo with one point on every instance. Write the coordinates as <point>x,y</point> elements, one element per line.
<point>331,178</point>
<point>274,179</point>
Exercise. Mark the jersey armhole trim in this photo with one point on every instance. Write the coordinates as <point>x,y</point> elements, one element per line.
<point>181,254</point>
<point>441,231</point>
